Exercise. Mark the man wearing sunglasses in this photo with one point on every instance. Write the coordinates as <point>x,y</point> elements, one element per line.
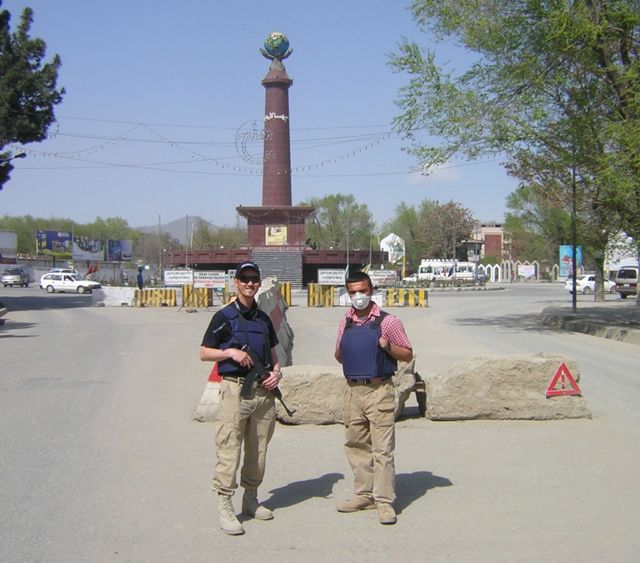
<point>239,324</point>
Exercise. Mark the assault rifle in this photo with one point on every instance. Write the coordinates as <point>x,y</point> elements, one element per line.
<point>256,374</point>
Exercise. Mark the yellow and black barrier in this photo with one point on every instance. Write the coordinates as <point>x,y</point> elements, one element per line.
<point>407,297</point>
<point>155,298</point>
<point>319,295</point>
<point>195,296</point>
<point>285,291</point>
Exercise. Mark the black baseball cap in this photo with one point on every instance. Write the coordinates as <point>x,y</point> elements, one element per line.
<point>246,266</point>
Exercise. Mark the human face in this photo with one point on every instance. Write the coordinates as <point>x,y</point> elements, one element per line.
<point>362,287</point>
<point>248,283</point>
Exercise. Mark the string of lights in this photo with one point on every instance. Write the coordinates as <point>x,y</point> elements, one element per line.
<point>228,164</point>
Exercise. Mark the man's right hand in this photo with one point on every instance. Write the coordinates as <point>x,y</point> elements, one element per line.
<point>240,357</point>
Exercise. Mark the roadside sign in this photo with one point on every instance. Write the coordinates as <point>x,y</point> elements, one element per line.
<point>331,277</point>
<point>211,278</point>
<point>178,277</point>
<point>564,377</point>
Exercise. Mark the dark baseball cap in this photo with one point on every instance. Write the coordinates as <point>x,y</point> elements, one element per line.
<point>246,266</point>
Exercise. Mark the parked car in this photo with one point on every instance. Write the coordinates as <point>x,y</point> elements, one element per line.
<point>413,278</point>
<point>627,281</point>
<point>64,271</point>
<point>56,281</point>
<point>15,275</point>
<point>586,284</point>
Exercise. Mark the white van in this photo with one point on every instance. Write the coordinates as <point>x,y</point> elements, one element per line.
<point>432,270</point>
<point>627,281</point>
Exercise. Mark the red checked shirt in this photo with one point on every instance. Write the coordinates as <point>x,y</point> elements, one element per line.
<point>391,327</point>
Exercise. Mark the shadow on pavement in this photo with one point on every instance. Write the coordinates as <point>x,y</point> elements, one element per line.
<point>412,486</point>
<point>12,326</point>
<point>42,302</point>
<point>299,491</point>
<point>530,322</point>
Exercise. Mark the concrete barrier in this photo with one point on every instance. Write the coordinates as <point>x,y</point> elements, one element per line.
<point>285,291</point>
<point>108,296</point>
<point>195,296</point>
<point>320,295</point>
<point>407,297</point>
<point>155,298</point>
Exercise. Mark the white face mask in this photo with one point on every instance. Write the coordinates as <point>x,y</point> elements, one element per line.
<point>360,301</point>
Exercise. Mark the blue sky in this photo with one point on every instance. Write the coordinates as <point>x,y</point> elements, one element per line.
<point>159,95</point>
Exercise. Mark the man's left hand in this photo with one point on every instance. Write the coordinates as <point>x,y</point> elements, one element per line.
<point>271,382</point>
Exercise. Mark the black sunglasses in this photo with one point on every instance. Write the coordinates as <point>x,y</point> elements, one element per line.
<point>247,279</point>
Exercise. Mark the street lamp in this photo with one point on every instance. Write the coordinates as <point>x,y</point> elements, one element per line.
<point>17,155</point>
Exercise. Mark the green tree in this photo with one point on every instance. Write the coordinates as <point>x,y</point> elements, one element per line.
<point>339,222</point>
<point>207,237</point>
<point>28,91</point>
<point>442,227</point>
<point>433,230</point>
<point>553,86</point>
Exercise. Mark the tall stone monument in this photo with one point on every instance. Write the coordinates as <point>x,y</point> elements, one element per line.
<point>276,223</point>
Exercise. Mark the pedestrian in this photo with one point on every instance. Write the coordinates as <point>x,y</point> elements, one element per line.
<point>140,278</point>
<point>369,343</point>
<point>239,420</point>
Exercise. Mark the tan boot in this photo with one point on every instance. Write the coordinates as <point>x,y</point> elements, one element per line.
<point>251,506</point>
<point>227,516</point>
<point>356,503</point>
<point>386,513</point>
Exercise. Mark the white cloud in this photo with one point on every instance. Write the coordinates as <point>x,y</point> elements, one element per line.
<point>443,173</point>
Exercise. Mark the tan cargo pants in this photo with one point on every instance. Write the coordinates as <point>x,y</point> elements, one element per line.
<point>251,421</point>
<point>370,438</point>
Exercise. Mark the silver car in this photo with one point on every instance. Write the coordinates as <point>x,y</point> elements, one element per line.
<point>15,275</point>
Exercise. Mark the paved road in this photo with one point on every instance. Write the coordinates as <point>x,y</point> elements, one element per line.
<point>100,459</point>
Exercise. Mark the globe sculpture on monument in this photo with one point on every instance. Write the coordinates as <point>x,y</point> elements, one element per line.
<point>276,46</point>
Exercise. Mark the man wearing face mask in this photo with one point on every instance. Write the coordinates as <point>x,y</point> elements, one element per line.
<point>369,344</point>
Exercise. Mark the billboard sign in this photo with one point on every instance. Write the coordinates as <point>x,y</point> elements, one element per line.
<point>85,248</point>
<point>566,260</point>
<point>53,242</point>
<point>119,250</point>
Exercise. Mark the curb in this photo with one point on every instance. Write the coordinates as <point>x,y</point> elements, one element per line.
<point>593,328</point>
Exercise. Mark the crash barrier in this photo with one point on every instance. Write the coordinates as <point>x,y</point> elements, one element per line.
<point>155,298</point>
<point>285,291</point>
<point>400,297</point>
<point>195,296</point>
<point>320,295</point>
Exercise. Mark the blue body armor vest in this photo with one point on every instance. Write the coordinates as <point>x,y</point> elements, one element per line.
<point>252,332</point>
<point>362,357</point>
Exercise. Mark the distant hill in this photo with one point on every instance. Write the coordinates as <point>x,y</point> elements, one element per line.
<point>177,229</point>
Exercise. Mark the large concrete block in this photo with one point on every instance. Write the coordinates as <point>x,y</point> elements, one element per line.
<point>502,387</point>
<point>316,393</point>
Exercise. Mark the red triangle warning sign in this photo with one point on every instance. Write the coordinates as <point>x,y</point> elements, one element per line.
<point>568,385</point>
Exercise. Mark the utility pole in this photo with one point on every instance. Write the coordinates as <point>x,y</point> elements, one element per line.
<point>159,247</point>
<point>574,236</point>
